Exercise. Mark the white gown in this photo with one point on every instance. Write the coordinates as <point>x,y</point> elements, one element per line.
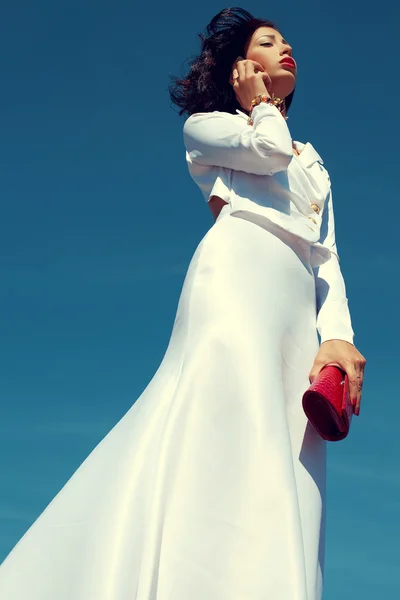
<point>212,486</point>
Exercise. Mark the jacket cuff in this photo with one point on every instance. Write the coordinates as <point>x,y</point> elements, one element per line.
<point>335,335</point>
<point>266,109</point>
<point>334,322</point>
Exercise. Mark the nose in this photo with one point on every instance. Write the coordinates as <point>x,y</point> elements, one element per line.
<point>286,49</point>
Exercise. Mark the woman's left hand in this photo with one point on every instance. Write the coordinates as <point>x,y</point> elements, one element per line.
<point>347,357</point>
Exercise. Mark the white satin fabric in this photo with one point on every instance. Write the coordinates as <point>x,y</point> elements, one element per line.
<point>253,169</point>
<point>212,486</point>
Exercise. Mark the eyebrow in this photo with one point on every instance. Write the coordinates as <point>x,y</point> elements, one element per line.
<point>271,35</point>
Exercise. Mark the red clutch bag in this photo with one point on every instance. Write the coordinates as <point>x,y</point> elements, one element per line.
<point>327,403</point>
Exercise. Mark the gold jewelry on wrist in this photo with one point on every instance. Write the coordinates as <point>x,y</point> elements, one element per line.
<point>280,104</point>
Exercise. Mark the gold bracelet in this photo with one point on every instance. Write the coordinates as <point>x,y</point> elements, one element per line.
<point>269,100</point>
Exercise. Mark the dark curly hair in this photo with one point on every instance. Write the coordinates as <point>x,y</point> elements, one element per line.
<point>206,87</point>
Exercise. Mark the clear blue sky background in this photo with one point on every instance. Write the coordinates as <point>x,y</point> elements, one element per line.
<point>100,220</point>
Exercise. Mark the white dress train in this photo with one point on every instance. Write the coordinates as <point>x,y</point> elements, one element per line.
<point>212,486</point>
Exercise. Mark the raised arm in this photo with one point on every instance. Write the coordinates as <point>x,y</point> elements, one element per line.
<point>217,139</point>
<point>333,315</point>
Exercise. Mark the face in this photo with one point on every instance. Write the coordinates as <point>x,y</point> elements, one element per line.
<point>269,48</point>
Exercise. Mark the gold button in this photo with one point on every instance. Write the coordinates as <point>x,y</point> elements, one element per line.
<point>313,220</point>
<point>315,207</point>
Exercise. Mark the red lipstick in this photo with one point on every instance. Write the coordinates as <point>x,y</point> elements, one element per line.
<point>288,61</point>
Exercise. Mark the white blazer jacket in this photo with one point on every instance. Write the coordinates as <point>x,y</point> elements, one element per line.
<point>253,168</point>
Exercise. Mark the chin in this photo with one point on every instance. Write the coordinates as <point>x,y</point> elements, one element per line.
<point>283,86</point>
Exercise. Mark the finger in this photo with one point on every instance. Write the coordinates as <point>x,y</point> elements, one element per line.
<point>258,68</point>
<point>253,67</point>
<point>358,404</point>
<point>267,80</point>
<point>241,69</point>
<point>313,373</point>
<point>256,65</point>
<point>316,369</point>
<point>236,61</point>
<point>354,386</point>
<point>360,380</point>
<point>249,68</point>
<point>318,366</point>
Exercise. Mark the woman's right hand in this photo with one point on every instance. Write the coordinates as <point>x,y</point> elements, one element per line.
<point>252,80</point>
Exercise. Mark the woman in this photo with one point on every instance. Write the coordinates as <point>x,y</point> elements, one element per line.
<point>212,486</point>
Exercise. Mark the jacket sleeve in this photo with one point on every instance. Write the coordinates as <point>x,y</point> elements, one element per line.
<point>333,315</point>
<point>217,139</point>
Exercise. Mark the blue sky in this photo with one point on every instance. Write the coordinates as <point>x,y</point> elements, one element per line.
<point>100,220</point>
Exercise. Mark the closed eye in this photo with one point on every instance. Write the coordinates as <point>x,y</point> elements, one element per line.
<point>266,44</point>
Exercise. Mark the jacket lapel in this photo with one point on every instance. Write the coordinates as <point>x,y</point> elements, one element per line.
<point>311,161</point>
<point>308,155</point>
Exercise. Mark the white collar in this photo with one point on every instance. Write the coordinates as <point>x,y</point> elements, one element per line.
<point>308,155</point>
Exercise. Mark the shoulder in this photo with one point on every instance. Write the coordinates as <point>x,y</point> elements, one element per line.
<point>214,116</point>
